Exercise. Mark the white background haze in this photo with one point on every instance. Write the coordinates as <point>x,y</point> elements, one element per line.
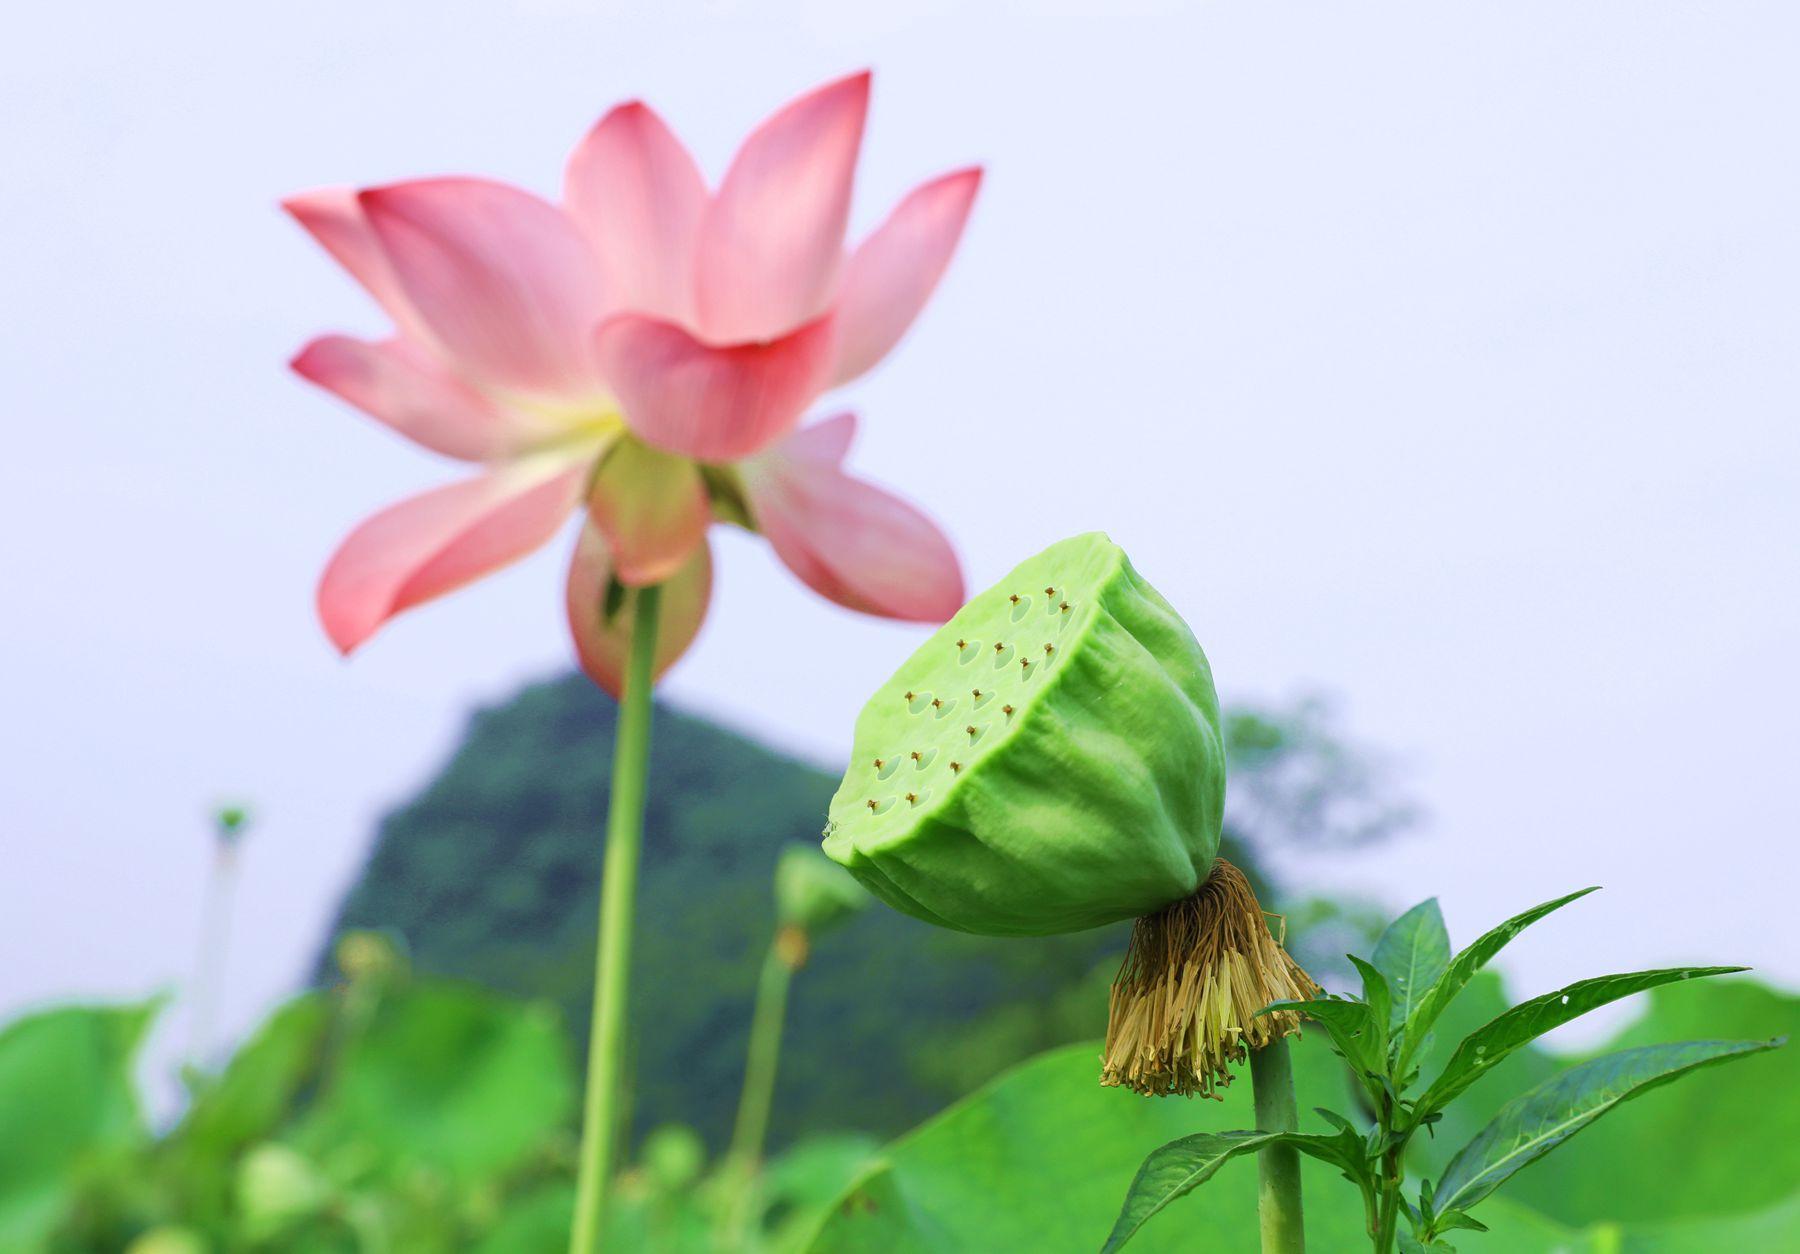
<point>1439,356</point>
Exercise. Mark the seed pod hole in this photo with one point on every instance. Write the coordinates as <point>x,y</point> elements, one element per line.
<point>881,805</point>
<point>918,702</point>
<point>924,758</point>
<point>1003,656</point>
<point>975,732</point>
<point>982,698</point>
<point>1021,607</point>
<point>888,766</point>
<point>944,708</point>
<point>968,651</point>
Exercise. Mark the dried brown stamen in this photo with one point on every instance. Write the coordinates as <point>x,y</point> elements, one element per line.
<point>1183,1006</point>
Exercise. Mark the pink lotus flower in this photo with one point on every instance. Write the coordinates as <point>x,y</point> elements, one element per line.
<point>641,353</point>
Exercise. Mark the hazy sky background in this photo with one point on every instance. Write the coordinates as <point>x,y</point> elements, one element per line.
<point>1440,356</point>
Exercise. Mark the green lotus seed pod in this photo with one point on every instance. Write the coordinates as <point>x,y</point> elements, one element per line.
<point>1050,760</point>
<point>812,893</point>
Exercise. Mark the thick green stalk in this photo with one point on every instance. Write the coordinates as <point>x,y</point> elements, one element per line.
<point>758,1097</point>
<point>1277,1166</point>
<point>612,958</point>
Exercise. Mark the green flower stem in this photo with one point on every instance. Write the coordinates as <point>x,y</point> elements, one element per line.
<point>209,965</point>
<point>618,899</point>
<point>1277,1166</point>
<point>758,1098</point>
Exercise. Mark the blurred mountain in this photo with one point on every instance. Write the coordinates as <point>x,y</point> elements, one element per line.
<point>492,875</point>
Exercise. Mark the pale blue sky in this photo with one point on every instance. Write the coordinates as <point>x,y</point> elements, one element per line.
<point>1440,355</point>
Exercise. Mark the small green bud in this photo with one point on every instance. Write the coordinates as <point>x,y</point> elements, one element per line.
<point>230,822</point>
<point>673,1157</point>
<point>275,1186</point>
<point>1050,760</point>
<point>168,1240</point>
<point>364,955</point>
<point>812,893</point>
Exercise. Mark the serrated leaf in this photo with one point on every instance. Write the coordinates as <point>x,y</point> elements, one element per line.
<point>1463,967</point>
<point>1176,1169</point>
<point>1350,1024</point>
<point>1411,954</point>
<point>1539,1120</point>
<point>1499,1037</point>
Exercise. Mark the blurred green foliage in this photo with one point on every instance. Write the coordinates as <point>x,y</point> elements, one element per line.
<point>491,874</point>
<point>68,1110</point>
<point>384,1115</point>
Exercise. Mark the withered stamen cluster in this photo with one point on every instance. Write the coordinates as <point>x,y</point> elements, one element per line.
<point>1183,1007</point>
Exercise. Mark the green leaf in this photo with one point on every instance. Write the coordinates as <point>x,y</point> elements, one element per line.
<point>1409,1244</point>
<point>69,1107</point>
<point>1039,1159</point>
<point>1410,955</point>
<point>450,1078</point>
<point>1524,1023</point>
<point>1176,1169</point>
<point>253,1096</point>
<point>1183,1165</point>
<point>798,1187</point>
<point>1462,969</point>
<point>1351,1026</point>
<point>1686,1150</point>
<point>1375,991</point>
<point>1453,1219</point>
<point>1533,1124</point>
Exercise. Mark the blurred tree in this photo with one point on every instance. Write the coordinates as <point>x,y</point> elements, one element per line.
<point>491,874</point>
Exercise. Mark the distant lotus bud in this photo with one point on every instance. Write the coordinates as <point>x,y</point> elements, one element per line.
<point>169,1240</point>
<point>673,1157</point>
<point>275,1186</point>
<point>230,823</point>
<point>812,894</point>
<point>364,955</point>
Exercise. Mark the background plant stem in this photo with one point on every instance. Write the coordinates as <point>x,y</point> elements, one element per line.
<point>1277,1166</point>
<point>760,1067</point>
<point>209,965</point>
<point>618,900</point>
